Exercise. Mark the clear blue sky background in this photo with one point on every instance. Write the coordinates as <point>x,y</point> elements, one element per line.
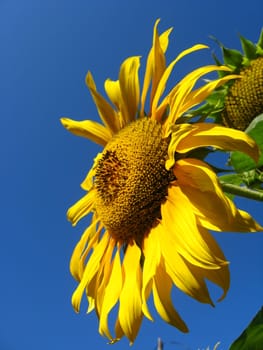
<point>46,49</point>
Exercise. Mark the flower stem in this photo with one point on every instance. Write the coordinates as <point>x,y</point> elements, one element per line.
<point>242,191</point>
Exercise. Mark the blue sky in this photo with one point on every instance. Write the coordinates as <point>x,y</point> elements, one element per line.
<point>46,49</point>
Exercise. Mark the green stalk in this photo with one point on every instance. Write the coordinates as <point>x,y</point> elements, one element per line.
<point>242,191</point>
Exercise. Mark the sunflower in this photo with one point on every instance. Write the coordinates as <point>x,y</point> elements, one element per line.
<point>150,202</point>
<point>237,102</point>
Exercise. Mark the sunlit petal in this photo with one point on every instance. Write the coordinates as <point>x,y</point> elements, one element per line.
<point>130,87</point>
<point>180,224</point>
<point>111,295</point>
<point>180,273</point>
<point>107,114</point>
<point>89,129</point>
<point>204,134</point>
<point>91,269</point>
<point>85,243</point>
<point>130,310</point>
<point>162,287</point>
<point>198,182</point>
<point>82,208</point>
<point>152,254</point>
<point>162,41</point>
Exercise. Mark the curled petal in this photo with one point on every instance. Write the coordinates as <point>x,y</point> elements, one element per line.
<point>82,208</point>
<point>183,98</point>
<point>180,273</point>
<point>209,203</point>
<point>221,137</point>
<point>180,222</point>
<point>162,83</point>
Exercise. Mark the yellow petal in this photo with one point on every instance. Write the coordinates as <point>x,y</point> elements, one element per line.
<point>91,269</point>
<point>111,296</point>
<point>87,184</point>
<point>221,137</point>
<point>130,310</point>
<point>113,90</point>
<point>162,41</point>
<point>162,300</point>
<point>76,263</point>
<point>103,276</point>
<point>82,208</point>
<point>180,272</point>
<point>182,94</point>
<point>118,331</point>
<point>179,132</point>
<point>89,129</point>
<point>107,114</point>
<point>199,95</point>
<point>152,254</point>
<point>220,277</point>
<point>130,87</point>
<point>180,224</point>
<point>158,62</point>
<point>200,184</point>
<point>162,83</point>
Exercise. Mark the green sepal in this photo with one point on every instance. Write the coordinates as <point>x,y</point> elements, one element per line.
<point>259,44</point>
<point>252,336</point>
<point>232,58</point>
<point>240,161</point>
<point>249,48</point>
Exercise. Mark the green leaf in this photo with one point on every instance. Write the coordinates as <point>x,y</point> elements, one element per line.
<point>240,161</point>
<point>252,337</point>
<point>234,179</point>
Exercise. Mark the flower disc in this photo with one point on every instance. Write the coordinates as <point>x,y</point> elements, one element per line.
<point>131,180</point>
<point>245,98</point>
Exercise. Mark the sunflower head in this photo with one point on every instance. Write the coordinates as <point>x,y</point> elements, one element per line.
<point>151,201</point>
<point>238,102</point>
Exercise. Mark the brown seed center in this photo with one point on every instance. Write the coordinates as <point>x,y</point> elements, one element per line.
<point>131,180</point>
